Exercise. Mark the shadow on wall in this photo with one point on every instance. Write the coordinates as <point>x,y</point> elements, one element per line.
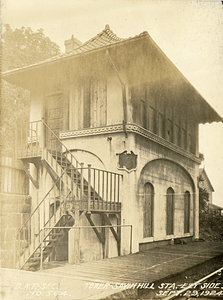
<point>88,157</point>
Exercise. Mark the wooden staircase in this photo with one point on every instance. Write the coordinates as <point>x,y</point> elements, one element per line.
<point>93,189</point>
<point>75,188</point>
<point>50,240</point>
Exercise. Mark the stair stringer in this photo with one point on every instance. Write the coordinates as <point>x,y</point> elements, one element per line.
<point>53,165</point>
<point>93,191</point>
<point>36,244</point>
<point>55,170</point>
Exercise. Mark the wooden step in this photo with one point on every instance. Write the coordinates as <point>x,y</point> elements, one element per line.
<point>30,264</point>
<point>48,246</point>
<point>46,251</point>
<point>50,240</point>
<point>56,234</point>
<point>35,259</point>
<point>64,165</point>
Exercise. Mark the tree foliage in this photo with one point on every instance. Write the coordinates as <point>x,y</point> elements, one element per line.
<point>15,110</point>
<point>20,47</point>
<point>203,199</point>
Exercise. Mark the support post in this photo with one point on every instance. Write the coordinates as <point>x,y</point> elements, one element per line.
<point>118,216</point>
<point>74,242</point>
<point>82,183</point>
<point>42,137</point>
<point>19,249</point>
<point>131,239</point>
<point>41,250</point>
<point>103,235</point>
<point>89,189</point>
<point>14,253</point>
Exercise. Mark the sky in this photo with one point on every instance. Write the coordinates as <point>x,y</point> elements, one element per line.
<point>189,32</point>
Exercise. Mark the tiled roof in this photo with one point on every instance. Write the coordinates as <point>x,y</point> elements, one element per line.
<point>102,39</point>
<point>105,38</point>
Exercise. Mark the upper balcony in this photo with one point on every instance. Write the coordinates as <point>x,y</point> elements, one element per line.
<point>89,188</point>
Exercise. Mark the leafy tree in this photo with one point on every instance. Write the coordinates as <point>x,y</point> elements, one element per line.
<point>20,47</point>
<point>203,199</point>
<point>15,110</point>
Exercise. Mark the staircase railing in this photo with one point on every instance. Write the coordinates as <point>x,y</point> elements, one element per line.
<point>87,187</point>
<point>99,187</point>
<point>47,213</point>
<point>54,145</point>
<point>33,137</point>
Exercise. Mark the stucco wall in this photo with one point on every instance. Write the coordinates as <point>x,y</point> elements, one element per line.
<point>163,174</point>
<point>173,169</point>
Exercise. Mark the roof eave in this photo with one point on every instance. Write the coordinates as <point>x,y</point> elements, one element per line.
<point>209,115</point>
<point>59,59</point>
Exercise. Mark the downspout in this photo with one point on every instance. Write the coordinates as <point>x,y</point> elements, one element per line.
<point>124,102</point>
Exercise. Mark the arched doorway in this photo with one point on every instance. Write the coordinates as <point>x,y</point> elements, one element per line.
<point>170,211</point>
<point>148,210</point>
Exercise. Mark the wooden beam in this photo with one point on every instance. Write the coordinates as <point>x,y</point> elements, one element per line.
<point>34,182</point>
<point>72,215</point>
<point>103,234</point>
<point>53,175</point>
<point>99,235</point>
<point>82,214</point>
<point>112,228</point>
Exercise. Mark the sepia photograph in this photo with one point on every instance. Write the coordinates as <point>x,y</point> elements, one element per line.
<point>111,160</point>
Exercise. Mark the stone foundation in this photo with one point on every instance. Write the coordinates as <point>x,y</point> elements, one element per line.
<point>15,210</point>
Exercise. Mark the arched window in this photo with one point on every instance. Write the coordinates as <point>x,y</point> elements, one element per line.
<point>148,210</point>
<point>170,211</point>
<point>186,212</point>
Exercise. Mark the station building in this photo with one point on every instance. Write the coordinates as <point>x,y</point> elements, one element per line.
<point>111,150</point>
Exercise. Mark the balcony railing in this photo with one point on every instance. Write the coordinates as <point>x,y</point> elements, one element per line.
<point>29,139</point>
<point>34,137</point>
<point>97,190</point>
